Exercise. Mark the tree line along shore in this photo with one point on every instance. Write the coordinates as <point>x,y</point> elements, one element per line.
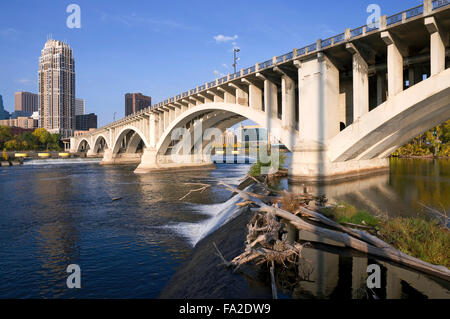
<point>433,143</point>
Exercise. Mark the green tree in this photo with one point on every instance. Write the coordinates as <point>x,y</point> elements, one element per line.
<point>43,136</point>
<point>29,140</point>
<point>11,145</point>
<point>433,142</point>
<point>5,135</point>
<point>54,142</point>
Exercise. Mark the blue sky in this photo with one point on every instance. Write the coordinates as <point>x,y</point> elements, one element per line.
<point>162,48</point>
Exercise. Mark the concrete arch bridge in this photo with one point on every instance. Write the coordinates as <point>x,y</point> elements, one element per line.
<point>341,105</point>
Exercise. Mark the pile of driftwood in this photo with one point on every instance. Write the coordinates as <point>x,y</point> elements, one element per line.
<point>266,243</point>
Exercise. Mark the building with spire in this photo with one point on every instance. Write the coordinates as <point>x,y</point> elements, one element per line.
<point>56,86</point>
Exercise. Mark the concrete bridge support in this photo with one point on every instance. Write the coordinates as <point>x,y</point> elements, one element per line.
<point>288,102</point>
<point>318,117</point>
<point>360,83</point>
<point>255,95</point>
<point>394,63</point>
<point>437,45</point>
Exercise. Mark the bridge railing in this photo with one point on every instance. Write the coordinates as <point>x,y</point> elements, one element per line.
<point>285,57</point>
<point>342,37</point>
<point>265,64</point>
<point>354,33</point>
<point>439,4</point>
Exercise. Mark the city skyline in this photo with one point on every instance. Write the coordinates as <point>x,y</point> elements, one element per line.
<point>196,52</point>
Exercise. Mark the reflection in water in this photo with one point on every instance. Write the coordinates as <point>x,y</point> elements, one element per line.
<point>395,193</point>
<point>341,273</point>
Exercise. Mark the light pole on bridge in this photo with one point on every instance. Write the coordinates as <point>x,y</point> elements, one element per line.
<point>235,50</point>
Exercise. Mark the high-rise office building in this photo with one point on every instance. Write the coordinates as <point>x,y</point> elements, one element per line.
<point>3,113</point>
<point>135,102</point>
<point>56,78</point>
<point>80,107</point>
<point>86,121</point>
<point>26,102</point>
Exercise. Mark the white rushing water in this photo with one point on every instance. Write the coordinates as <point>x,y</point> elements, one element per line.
<point>62,161</point>
<point>220,214</point>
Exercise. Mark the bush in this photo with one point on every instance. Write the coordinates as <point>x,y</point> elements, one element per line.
<point>5,155</point>
<point>255,169</point>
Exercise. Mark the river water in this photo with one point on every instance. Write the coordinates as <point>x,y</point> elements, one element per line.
<point>53,215</point>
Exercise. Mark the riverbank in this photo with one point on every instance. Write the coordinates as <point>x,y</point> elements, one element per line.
<point>19,158</point>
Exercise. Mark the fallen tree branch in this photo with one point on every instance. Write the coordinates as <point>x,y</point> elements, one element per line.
<point>201,189</point>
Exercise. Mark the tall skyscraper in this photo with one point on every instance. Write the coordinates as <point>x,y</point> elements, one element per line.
<point>135,102</point>
<point>80,107</point>
<point>86,121</point>
<point>26,102</point>
<point>56,78</point>
<point>3,113</point>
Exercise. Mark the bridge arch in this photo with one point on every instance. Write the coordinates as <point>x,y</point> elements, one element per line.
<point>98,143</point>
<point>83,145</point>
<point>228,111</point>
<point>137,136</point>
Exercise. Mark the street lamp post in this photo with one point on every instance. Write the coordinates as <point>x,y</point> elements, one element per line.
<point>114,116</point>
<point>235,50</point>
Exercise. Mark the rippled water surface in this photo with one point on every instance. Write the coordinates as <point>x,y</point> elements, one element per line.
<point>56,215</point>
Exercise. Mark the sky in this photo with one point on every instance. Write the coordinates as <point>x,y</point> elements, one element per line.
<point>163,48</point>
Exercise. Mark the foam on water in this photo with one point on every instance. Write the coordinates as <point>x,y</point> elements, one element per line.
<point>57,161</point>
<point>220,215</point>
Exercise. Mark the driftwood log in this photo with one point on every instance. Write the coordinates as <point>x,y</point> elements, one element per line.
<point>353,238</point>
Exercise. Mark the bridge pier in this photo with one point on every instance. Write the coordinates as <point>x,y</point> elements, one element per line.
<point>91,153</point>
<point>311,163</point>
<point>152,162</point>
<point>148,161</point>
<point>107,157</point>
<point>319,123</point>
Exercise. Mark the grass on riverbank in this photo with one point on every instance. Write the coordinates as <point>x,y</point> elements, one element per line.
<point>346,213</point>
<point>425,240</point>
<point>420,238</point>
